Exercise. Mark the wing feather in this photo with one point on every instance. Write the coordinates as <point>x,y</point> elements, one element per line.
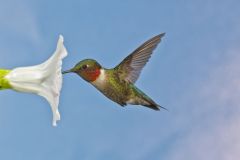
<point>130,68</point>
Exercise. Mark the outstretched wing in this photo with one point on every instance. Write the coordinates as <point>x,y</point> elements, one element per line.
<point>130,68</point>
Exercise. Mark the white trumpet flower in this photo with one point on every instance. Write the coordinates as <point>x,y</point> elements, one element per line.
<point>44,79</point>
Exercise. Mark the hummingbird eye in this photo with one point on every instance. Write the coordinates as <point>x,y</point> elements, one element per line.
<point>84,67</point>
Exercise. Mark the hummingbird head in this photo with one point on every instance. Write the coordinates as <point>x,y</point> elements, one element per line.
<point>88,69</point>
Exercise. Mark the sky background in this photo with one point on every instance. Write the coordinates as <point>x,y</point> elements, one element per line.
<point>194,73</point>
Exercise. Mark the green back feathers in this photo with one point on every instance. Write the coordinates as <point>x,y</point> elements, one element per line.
<point>4,83</point>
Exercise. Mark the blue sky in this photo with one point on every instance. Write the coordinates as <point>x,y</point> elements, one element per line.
<point>194,73</point>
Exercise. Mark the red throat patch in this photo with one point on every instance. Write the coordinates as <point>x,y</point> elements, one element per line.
<point>92,75</point>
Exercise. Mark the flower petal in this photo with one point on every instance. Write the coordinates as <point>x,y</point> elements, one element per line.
<point>44,79</point>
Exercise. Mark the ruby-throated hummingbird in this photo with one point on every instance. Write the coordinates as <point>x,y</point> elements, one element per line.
<point>118,83</point>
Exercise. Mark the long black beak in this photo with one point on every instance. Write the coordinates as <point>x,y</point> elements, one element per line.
<point>67,71</point>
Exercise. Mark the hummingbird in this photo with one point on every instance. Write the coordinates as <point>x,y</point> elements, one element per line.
<point>117,83</point>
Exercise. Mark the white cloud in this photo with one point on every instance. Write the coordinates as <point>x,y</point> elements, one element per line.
<point>214,132</point>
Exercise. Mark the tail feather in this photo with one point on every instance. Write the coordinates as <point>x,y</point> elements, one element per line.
<point>144,100</point>
<point>155,106</point>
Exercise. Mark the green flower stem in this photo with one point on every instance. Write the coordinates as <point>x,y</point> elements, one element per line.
<point>4,83</point>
